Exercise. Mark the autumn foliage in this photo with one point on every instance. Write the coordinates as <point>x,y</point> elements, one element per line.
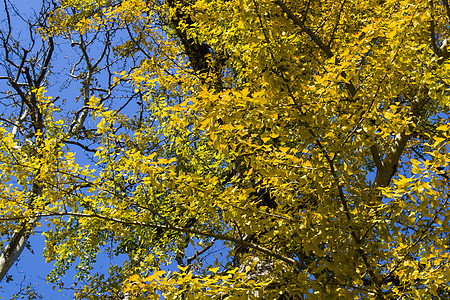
<point>307,141</point>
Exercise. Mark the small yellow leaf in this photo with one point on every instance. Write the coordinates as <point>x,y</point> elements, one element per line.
<point>443,127</point>
<point>265,139</point>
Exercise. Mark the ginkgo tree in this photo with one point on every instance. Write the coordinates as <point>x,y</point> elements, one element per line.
<point>309,140</point>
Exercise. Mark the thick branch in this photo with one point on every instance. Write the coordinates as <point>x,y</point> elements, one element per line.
<point>197,52</point>
<point>376,156</point>
<point>305,29</point>
<point>19,121</point>
<point>388,166</point>
<point>15,246</point>
<point>326,49</point>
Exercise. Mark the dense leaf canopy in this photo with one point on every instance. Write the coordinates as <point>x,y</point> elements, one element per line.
<point>308,141</point>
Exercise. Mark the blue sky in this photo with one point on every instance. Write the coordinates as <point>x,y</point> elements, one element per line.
<point>31,269</point>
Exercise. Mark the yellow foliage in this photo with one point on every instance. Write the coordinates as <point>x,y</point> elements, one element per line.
<point>311,138</point>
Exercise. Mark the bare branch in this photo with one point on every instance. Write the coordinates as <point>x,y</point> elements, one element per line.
<point>198,253</point>
<point>46,63</point>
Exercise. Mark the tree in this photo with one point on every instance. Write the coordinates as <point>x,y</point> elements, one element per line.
<point>39,132</point>
<point>310,139</point>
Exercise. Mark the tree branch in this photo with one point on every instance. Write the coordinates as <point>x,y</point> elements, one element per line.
<point>388,166</point>
<point>376,156</point>
<point>305,29</point>
<point>16,245</point>
<point>222,237</point>
<point>337,24</point>
<point>326,49</point>
<point>447,8</point>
